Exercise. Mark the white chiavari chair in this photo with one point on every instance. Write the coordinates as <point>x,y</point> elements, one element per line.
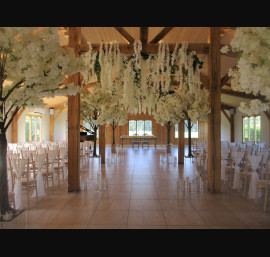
<point>39,162</point>
<point>63,152</point>
<point>238,159</point>
<point>249,176</point>
<point>263,185</point>
<point>225,161</point>
<point>55,164</point>
<point>23,180</point>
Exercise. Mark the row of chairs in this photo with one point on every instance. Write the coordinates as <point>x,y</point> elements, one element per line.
<point>247,169</point>
<point>34,172</point>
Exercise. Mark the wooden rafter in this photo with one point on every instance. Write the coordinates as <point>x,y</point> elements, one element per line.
<point>226,115</point>
<point>125,34</point>
<point>242,94</point>
<point>144,35</point>
<point>227,107</point>
<point>226,77</point>
<point>161,34</point>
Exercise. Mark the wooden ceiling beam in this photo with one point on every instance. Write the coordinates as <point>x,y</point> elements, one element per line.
<point>161,34</point>
<point>200,48</point>
<point>144,35</point>
<point>242,94</point>
<point>227,107</point>
<point>152,48</point>
<point>125,34</point>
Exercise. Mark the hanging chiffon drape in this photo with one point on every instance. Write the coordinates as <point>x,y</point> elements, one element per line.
<point>39,160</point>
<point>19,166</point>
<point>254,163</point>
<point>238,157</point>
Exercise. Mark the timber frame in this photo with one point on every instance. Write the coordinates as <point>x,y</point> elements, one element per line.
<point>213,82</point>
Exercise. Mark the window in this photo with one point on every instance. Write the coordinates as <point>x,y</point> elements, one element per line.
<point>140,127</point>
<point>194,130</point>
<point>87,125</point>
<point>252,129</point>
<point>33,128</point>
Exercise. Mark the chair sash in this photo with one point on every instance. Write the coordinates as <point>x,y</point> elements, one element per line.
<point>254,163</point>
<point>19,166</point>
<point>39,160</point>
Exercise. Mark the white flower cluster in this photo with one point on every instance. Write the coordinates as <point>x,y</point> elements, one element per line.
<point>102,107</point>
<point>183,104</point>
<point>36,65</point>
<point>252,75</point>
<point>253,108</point>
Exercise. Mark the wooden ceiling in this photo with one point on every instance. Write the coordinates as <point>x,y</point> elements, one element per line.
<point>171,35</point>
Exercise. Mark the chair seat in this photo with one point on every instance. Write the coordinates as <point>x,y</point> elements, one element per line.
<point>245,174</point>
<point>30,181</point>
<point>263,183</point>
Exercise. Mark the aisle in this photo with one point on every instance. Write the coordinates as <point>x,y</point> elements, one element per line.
<point>141,192</point>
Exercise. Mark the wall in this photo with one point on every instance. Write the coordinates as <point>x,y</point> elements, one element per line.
<point>158,130</point>
<point>225,127</point>
<point>60,126</point>
<point>45,134</point>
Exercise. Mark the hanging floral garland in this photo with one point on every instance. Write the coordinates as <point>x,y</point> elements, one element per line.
<point>142,78</point>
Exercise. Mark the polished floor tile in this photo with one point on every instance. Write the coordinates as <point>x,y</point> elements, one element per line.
<point>140,193</point>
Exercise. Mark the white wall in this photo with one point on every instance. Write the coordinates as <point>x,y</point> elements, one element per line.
<point>225,127</point>
<point>21,124</point>
<point>60,126</point>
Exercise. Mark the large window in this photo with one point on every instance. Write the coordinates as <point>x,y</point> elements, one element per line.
<point>140,127</point>
<point>194,130</point>
<point>33,128</point>
<point>252,129</point>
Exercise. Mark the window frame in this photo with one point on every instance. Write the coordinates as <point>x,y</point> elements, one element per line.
<point>136,121</point>
<point>30,128</point>
<point>248,125</point>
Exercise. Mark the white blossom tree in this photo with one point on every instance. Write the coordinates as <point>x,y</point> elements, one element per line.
<point>166,113</point>
<point>194,107</point>
<point>32,65</point>
<point>253,66</point>
<point>93,104</point>
<point>114,114</point>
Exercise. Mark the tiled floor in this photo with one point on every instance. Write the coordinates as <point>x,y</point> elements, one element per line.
<point>141,193</point>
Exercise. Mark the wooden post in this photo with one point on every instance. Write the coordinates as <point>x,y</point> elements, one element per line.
<point>181,142</point>
<point>102,146</point>
<point>74,121</point>
<point>232,127</point>
<point>51,125</point>
<point>214,118</point>
<point>14,126</point>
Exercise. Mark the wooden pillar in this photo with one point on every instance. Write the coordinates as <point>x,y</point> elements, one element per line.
<point>181,142</point>
<point>214,118</point>
<point>51,125</point>
<point>14,126</point>
<point>232,127</point>
<point>102,143</point>
<point>74,121</point>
